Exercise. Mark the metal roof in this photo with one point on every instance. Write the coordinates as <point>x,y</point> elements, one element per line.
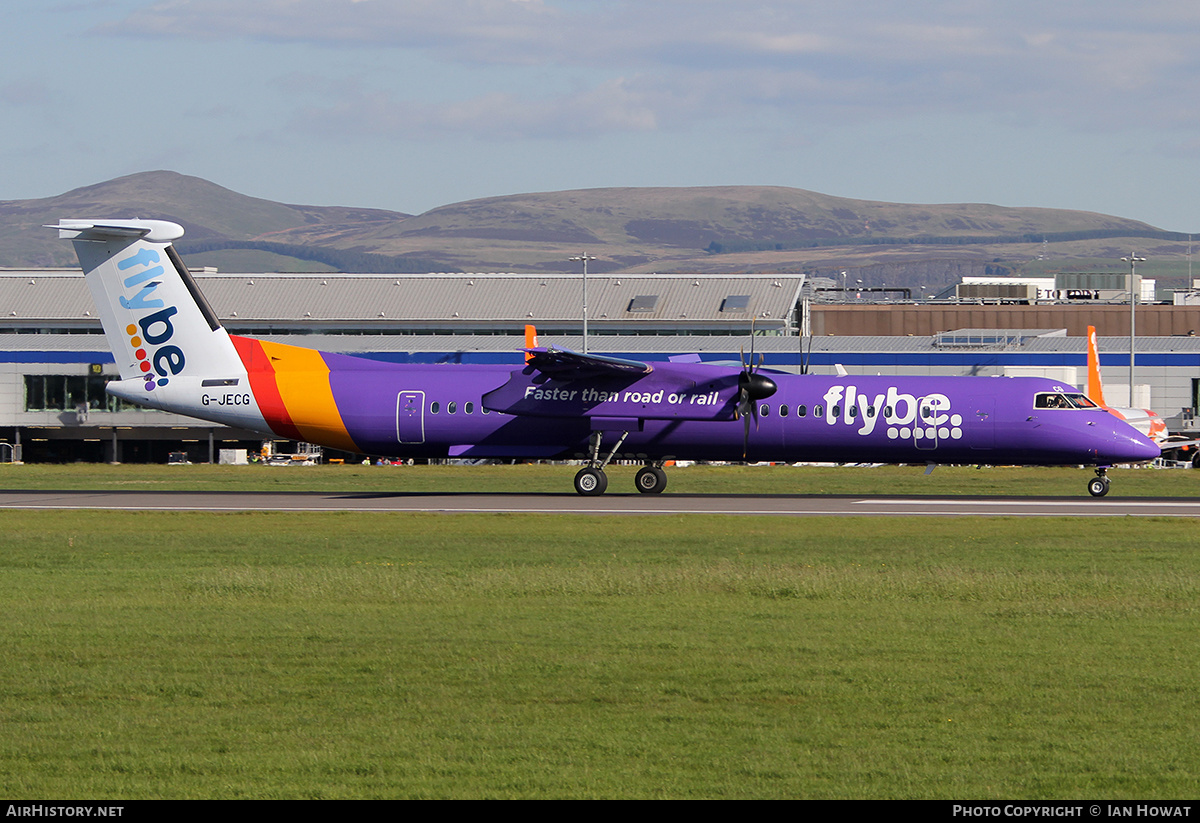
<point>442,299</point>
<point>630,344</point>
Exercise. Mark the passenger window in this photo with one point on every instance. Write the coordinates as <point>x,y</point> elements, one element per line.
<point>451,407</point>
<point>818,411</point>
<point>853,412</point>
<point>783,410</point>
<point>764,410</point>
<point>469,408</point>
<point>870,411</point>
<point>887,412</point>
<point>835,411</point>
<point>802,410</point>
<point>434,407</point>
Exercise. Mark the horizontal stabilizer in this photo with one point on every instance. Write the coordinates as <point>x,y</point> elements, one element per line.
<point>156,231</point>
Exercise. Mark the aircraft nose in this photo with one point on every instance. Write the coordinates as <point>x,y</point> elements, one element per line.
<point>1131,447</point>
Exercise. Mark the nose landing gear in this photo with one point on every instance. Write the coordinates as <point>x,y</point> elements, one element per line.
<point>1098,485</point>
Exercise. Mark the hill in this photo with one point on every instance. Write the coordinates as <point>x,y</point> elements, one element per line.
<point>214,217</point>
<point>717,229</point>
<point>691,228</point>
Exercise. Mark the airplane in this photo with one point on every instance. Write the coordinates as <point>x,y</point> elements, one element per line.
<point>173,354</point>
<point>1145,421</point>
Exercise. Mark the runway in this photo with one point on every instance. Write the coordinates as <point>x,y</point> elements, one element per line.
<point>786,505</point>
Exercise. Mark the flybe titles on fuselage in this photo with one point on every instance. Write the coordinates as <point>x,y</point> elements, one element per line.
<point>593,395</point>
<point>641,399</point>
<point>151,329</point>
<point>904,415</point>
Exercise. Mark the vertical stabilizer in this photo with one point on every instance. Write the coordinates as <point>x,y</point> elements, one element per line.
<point>531,341</point>
<point>158,324</point>
<point>1095,391</point>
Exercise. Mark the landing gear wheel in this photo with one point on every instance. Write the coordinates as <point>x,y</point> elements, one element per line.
<point>651,480</point>
<point>591,482</point>
<point>1098,486</point>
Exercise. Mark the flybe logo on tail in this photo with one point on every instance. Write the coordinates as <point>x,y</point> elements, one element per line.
<point>150,334</point>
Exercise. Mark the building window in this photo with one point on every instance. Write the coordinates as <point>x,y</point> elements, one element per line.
<point>71,393</point>
<point>643,302</point>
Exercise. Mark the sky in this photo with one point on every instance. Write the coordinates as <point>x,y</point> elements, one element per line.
<point>411,104</point>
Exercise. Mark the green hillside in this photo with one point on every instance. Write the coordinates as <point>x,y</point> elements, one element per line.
<point>720,229</point>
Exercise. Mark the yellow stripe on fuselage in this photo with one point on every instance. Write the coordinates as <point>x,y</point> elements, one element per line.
<point>303,381</point>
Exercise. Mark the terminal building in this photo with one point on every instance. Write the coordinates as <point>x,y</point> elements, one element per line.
<point>54,358</point>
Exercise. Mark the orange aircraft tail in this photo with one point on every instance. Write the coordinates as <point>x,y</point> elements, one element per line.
<point>530,341</point>
<point>1095,391</point>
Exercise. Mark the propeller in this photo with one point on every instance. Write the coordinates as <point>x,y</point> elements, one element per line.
<point>752,387</point>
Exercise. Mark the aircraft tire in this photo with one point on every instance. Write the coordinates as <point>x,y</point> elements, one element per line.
<point>590,482</point>
<point>1098,486</point>
<point>651,480</point>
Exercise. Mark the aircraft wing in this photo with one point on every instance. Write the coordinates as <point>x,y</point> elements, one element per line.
<point>562,364</point>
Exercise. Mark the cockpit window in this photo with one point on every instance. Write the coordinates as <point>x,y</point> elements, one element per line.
<point>1063,400</point>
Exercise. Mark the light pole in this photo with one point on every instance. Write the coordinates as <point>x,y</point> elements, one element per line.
<point>583,258</point>
<point>1132,260</point>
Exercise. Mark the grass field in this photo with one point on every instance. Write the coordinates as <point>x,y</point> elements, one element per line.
<point>945,480</point>
<point>406,655</point>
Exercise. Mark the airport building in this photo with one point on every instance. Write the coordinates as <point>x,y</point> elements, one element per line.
<point>54,358</point>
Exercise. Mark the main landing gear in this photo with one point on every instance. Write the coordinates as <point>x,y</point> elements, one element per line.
<point>651,480</point>
<point>591,479</point>
<point>1098,485</point>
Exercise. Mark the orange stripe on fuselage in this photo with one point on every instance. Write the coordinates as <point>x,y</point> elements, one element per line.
<point>291,385</point>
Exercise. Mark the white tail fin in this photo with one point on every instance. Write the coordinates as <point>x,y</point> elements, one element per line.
<point>157,322</point>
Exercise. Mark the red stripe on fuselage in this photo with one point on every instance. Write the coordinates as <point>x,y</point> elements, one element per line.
<point>262,384</point>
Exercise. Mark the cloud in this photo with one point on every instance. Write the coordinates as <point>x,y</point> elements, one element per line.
<point>667,63</point>
<point>26,92</point>
<point>501,31</point>
<point>614,106</point>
